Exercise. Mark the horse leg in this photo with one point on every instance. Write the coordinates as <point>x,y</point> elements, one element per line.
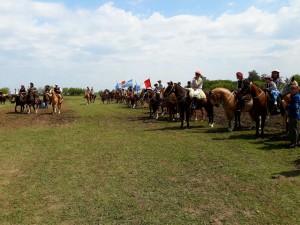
<point>181,117</point>
<point>187,117</point>
<point>203,113</point>
<point>263,121</point>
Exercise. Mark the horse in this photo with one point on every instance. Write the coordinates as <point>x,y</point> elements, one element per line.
<point>55,102</point>
<point>170,102</point>
<point>132,98</point>
<point>154,101</point>
<point>261,104</point>
<point>105,96</point>
<point>183,100</point>
<point>20,101</point>
<point>205,104</point>
<point>31,101</point>
<point>47,99</point>
<point>228,100</point>
<point>88,97</point>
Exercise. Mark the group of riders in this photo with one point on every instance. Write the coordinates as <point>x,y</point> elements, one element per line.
<point>273,85</point>
<point>32,89</point>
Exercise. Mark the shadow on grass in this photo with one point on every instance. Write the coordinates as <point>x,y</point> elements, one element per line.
<point>291,173</point>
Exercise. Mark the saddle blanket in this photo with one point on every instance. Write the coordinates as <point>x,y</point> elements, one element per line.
<point>198,93</point>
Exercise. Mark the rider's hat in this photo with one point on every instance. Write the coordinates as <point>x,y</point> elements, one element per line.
<point>22,85</point>
<point>155,85</point>
<point>268,77</point>
<point>277,71</point>
<point>197,73</point>
<point>239,75</point>
<point>56,84</point>
<point>159,81</point>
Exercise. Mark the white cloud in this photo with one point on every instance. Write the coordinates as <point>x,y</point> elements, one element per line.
<point>49,43</point>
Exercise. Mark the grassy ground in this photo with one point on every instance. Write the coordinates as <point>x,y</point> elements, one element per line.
<point>113,165</point>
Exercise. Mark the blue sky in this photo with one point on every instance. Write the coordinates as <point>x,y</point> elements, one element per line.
<point>98,43</point>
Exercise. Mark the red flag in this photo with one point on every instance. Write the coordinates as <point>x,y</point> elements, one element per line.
<point>147,83</point>
<point>123,82</point>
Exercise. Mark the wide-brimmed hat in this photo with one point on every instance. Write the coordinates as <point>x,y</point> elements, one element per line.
<point>276,71</point>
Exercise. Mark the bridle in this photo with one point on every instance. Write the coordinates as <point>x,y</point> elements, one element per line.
<point>249,87</point>
<point>179,98</point>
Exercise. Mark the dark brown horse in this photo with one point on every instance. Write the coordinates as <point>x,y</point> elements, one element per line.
<point>20,101</point>
<point>153,99</point>
<point>183,100</point>
<point>205,104</point>
<point>261,104</point>
<point>31,101</point>
<point>105,96</point>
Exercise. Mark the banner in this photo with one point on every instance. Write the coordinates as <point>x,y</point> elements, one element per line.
<point>147,83</point>
<point>127,84</point>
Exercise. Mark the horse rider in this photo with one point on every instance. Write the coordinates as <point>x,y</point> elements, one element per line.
<point>188,84</point>
<point>160,85</point>
<point>197,84</point>
<point>31,88</point>
<point>92,91</point>
<point>58,91</point>
<point>22,90</point>
<point>277,79</point>
<point>271,87</point>
<point>239,86</point>
<point>88,90</point>
<point>156,89</point>
<point>1,93</point>
<point>47,88</point>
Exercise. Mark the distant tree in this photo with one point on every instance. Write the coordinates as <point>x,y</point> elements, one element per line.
<point>73,91</point>
<point>262,77</point>
<point>5,90</point>
<point>211,84</point>
<point>253,76</point>
<point>297,77</point>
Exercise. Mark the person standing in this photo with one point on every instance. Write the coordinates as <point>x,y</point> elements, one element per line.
<point>294,115</point>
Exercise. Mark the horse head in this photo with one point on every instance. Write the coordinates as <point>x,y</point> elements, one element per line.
<point>287,88</point>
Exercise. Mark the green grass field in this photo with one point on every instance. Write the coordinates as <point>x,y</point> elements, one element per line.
<point>114,165</point>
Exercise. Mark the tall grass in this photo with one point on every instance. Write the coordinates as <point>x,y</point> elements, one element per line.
<point>114,165</point>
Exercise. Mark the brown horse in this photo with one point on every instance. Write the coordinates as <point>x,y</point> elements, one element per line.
<point>183,100</point>
<point>170,102</point>
<point>31,101</point>
<point>153,98</point>
<point>228,100</point>
<point>55,102</point>
<point>105,96</point>
<point>261,104</point>
<point>88,97</point>
<point>20,101</point>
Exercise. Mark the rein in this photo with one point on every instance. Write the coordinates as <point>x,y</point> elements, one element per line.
<point>254,97</point>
